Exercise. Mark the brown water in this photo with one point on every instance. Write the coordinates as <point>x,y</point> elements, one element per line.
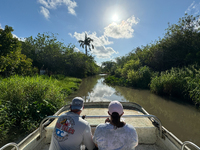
<point>179,118</point>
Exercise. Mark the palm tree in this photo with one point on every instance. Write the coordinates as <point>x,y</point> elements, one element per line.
<point>86,42</point>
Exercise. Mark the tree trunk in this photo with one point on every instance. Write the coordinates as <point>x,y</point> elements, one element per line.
<point>86,50</point>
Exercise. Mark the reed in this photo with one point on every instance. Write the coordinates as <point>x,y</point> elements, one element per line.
<point>182,83</point>
<point>25,101</point>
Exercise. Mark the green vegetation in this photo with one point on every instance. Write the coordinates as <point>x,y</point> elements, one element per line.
<point>44,52</point>
<point>55,58</point>
<point>25,101</point>
<point>169,66</point>
<point>12,61</point>
<point>181,83</point>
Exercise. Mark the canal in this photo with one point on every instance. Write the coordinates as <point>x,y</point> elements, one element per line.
<point>180,118</point>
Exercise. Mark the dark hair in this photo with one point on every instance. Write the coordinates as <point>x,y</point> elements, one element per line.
<point>115,117</point>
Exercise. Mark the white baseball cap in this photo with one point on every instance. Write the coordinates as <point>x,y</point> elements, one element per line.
<point>115,106</point>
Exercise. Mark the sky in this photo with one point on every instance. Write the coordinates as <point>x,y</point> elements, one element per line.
<point>116,26</point>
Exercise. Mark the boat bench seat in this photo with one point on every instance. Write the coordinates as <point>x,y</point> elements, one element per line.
<point>146,135</point>
<point>147,132</point>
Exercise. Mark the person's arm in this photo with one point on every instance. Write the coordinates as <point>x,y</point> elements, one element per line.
<point>87,138</point>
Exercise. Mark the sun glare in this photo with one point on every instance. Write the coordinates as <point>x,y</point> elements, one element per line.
<point>115,17</point>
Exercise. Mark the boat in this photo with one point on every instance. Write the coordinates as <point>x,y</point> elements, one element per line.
<point>151,134</point>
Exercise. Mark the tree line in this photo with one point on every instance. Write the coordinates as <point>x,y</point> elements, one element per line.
<point>169,66</point>
<point>44,52</point>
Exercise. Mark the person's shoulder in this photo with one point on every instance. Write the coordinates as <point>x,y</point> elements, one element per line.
<point>84,122</point>
<point>102,125</point>
<point>129,126</point>
<point>101,128</point>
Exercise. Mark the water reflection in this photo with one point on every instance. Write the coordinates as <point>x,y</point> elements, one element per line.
<point>102,92</point>
<point>179,118</point>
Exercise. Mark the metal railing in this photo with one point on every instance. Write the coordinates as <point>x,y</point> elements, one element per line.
<point>189,143</point>
<point>41,124</point>
<point>124,116</point>
<point>10,144</point>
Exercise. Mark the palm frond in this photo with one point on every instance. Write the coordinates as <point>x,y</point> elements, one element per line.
<point>86,43</point>
<point>80,41</point>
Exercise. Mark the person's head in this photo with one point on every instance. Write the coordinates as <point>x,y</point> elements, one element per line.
<point>77,105</point>
<point>115,110</point>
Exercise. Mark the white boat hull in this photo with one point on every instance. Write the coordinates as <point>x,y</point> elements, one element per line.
<point>151,134</point>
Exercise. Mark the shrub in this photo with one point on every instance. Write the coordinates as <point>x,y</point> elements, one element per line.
<point>116,81</point>
<point>181,83</point>
<point>130,65</point>
<point>140,78</point>
<point>25,101</point>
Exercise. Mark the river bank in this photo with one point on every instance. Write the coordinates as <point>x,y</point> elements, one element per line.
<point>178,83</point>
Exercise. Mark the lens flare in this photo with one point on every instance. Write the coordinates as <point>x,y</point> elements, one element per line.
<point>115,18</point>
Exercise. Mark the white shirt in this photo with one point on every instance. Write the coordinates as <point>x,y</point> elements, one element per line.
<point>107,137</point>
<point>70,131</point>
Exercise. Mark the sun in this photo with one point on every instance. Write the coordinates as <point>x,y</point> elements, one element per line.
<point>115,18</point>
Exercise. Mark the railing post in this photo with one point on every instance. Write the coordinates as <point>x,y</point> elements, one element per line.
<point>189,143</point>
<point>10,144</point>
<point>41,124</point>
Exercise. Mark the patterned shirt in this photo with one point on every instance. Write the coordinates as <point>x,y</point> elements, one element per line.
<point>70,132</point>
<point>107,137</point>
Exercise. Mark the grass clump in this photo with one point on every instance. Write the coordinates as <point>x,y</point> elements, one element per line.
<point>25,101</point>
<point>182,83</point>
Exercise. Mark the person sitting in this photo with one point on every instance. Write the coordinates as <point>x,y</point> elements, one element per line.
<point>71,130</point>
<point>114,134</point>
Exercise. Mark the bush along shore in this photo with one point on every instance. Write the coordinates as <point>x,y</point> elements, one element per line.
<point>25,101</point>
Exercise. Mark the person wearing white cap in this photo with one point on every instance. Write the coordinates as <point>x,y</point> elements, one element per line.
<point>71,130</point>
<point>114,134</point>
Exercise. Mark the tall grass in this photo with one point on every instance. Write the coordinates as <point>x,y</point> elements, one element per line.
<point>181,83</point>
<point>25,101</point>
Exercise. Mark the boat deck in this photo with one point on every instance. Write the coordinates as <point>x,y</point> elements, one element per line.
<point>139,147</point>
<point>136,122</point>
<point>150,137</point>
<point>146,130</point>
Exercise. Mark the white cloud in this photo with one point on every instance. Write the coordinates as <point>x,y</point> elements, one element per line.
<point>122,30</point>
<point>15,36</point>
<point>76,49</point>
<point>103,52</point>
<point>53,4</point>
<point>45,12</point>
<point>70,35</point>
<point>100,49</point>
<point>19,38</point>
<point>193,9</point>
